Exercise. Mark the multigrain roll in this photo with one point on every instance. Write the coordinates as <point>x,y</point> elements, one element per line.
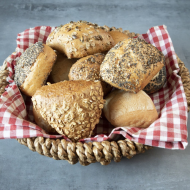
<point>61,68</point>
<point>88,68</point>
<point>127,109</point>
<point>80,39</point>
<point>72,108</point>
<point>131,64</point>
<point>33,68</point>
<point>118,36</point>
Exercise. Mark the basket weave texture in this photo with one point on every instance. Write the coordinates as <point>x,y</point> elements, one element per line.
<point>87,153</point>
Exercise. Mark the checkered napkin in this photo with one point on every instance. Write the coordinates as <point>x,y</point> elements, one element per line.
<point>169,131</point>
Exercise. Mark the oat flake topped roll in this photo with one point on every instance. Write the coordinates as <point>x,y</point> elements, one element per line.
<point>72,108</point>
<point>79,39</point>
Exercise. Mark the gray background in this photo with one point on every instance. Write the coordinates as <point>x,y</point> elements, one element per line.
<point>156,169</point>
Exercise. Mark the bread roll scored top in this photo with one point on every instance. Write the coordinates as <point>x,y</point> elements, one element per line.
<point>72,108</point>
<point>80,39</point>
<point>33,67</point>
<point>129,109</point>
<point>131,64</point>
<point>61,68</point>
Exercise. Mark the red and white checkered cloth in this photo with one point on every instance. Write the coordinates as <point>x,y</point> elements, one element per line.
<point>169,131</point>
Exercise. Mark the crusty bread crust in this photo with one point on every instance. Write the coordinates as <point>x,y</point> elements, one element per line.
<point>158,80</point>
<point>131,64</point>
<point>129,109</point>
<point>80,39</point>
<point>61,68</point>
<point>72,108</point>
<point>118,36</point>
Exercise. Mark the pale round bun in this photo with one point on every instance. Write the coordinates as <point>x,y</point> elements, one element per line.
<point>127,109</point>
<point>80,39</point>
<point>72,108</point>
<point>131,64</point>
<point>61,68</point>
<point>33,68</point>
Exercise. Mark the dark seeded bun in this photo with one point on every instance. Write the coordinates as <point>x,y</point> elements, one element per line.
<point>33,68</point>
<point>131,64</point>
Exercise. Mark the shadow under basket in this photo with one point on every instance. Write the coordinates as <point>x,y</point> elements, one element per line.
<point>91,152</point>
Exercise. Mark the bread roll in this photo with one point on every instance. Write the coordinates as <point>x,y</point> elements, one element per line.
<point>61,68</point>
<point>157,82</point>
<point>42,122</point>
<point>131,64</point>
<point>127,109</point>
<point>88,68</point>
<point>33,68</point>
<point>72,108</point>
<point>118,36</point>
<point>80,39</point>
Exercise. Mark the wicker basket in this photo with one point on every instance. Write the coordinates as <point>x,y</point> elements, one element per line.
<point>87,153</point>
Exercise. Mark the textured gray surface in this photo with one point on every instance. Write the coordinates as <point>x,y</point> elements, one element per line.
<point>156,169</point>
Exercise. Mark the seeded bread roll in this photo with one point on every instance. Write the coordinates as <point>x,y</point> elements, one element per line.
<point>131,64</point>
<point>33,68</point>
<point>61,68</point>
<point>41,122</point>
<point>72,108</point>
<point>157,82</point>
<point>127,109</point>
<point>118,36</point>
<point>80,39</point>
<point>88,68</point>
